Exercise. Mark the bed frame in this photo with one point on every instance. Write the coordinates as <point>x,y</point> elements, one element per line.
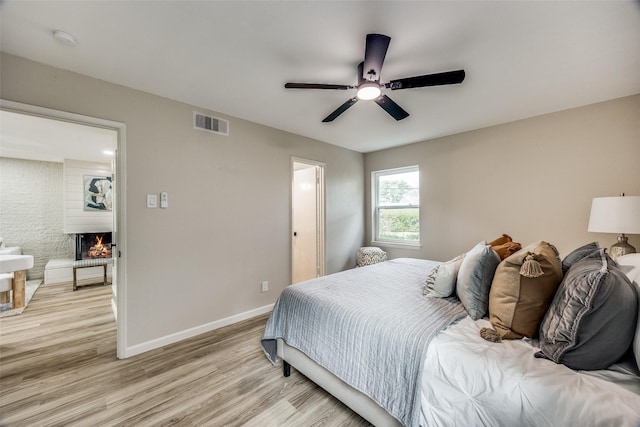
<point>354,399</point>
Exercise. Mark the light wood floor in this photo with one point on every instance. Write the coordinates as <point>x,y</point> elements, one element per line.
<point>58,367</point>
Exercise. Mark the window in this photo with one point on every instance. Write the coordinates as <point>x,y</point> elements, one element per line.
<point>396,204</point>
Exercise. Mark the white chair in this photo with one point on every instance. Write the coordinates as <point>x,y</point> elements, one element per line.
<point>14,268</point>
<point>6,279</point>
<point>6,282</point>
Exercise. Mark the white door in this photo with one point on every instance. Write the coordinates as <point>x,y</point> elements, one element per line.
<point>307,221</point>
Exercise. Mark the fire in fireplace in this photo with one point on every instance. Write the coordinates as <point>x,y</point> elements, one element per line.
<point>93,245</point>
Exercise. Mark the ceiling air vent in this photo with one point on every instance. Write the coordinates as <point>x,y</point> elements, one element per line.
<point>210,124</point>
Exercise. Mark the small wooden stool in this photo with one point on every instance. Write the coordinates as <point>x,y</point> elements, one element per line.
<point>91,262</point>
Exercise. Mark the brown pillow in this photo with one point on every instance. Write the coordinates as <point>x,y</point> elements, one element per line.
<point>522,289</point>
<point>505,246</point>
<point>505,238</point>
<point>507,249</point>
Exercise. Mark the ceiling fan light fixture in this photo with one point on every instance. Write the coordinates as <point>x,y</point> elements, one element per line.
<point>368,91</point>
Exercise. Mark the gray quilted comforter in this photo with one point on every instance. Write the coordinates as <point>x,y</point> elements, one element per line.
<point>369,326</point>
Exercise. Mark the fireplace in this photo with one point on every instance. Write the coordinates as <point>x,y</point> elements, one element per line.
<point>93,245</point>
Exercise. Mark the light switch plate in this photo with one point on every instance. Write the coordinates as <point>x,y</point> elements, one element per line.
<point>152,200</point>
<point>164,200</point>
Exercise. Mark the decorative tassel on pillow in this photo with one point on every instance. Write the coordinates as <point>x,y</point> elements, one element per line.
<point>490,335</point>
<point>531,267</point>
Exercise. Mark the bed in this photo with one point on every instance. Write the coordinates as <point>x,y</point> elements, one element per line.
<point>370,337</point>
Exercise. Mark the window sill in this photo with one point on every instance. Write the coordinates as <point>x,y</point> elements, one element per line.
<point>409,246</point>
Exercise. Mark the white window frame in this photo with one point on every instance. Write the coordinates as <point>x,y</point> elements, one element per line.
<point>409,244</point>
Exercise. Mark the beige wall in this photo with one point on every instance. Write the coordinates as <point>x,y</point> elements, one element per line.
<point>227,227</point>
<point>533,179</point>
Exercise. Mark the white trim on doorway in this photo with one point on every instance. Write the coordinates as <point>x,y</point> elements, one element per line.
<point>121,186</point>
<point>320,213</point>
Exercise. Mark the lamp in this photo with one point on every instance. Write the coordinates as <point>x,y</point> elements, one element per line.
<point>616,215</point>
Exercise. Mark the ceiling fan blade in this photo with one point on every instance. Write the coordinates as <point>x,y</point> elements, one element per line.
<point>446,78</point>
<point>316,86</point>
<point>392,108</point>
<point>341,109</point>
<point>360,73</point>
<point>374,54</point>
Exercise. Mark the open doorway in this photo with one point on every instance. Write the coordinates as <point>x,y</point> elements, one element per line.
<point>26,146</point>
<point>307,218</point>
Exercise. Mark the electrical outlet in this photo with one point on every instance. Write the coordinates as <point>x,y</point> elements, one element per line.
<point>265,286</point>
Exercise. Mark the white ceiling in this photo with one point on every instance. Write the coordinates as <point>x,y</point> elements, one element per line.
<point>522,58</point>
<point>37,138</point>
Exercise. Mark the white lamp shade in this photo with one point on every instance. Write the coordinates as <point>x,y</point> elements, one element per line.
<point>619,215</point>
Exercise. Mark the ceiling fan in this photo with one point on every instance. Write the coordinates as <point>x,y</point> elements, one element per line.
<point>369,86</point>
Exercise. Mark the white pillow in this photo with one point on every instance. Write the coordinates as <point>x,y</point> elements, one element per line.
<point>636,339</point>
<point>441,280</point>
<point>630,264</point>
<point>629,259</point>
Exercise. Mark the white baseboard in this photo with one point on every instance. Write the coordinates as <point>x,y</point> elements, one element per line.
<point>114,308</point>
<point>188,333</point>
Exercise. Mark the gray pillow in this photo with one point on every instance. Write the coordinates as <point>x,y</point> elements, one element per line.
<point>579,253</point>
<point>591,321</point>
<point>474,279</point>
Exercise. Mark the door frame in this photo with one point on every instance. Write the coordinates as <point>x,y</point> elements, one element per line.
<point>120,187</point>
<point>320,213</point>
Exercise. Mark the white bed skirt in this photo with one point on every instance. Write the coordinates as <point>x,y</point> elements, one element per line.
<point>354,399</point>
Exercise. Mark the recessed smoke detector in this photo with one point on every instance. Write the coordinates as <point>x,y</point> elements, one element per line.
<point>64,38</point>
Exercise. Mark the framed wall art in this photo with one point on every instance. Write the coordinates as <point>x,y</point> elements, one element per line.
<point>98,194</point>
